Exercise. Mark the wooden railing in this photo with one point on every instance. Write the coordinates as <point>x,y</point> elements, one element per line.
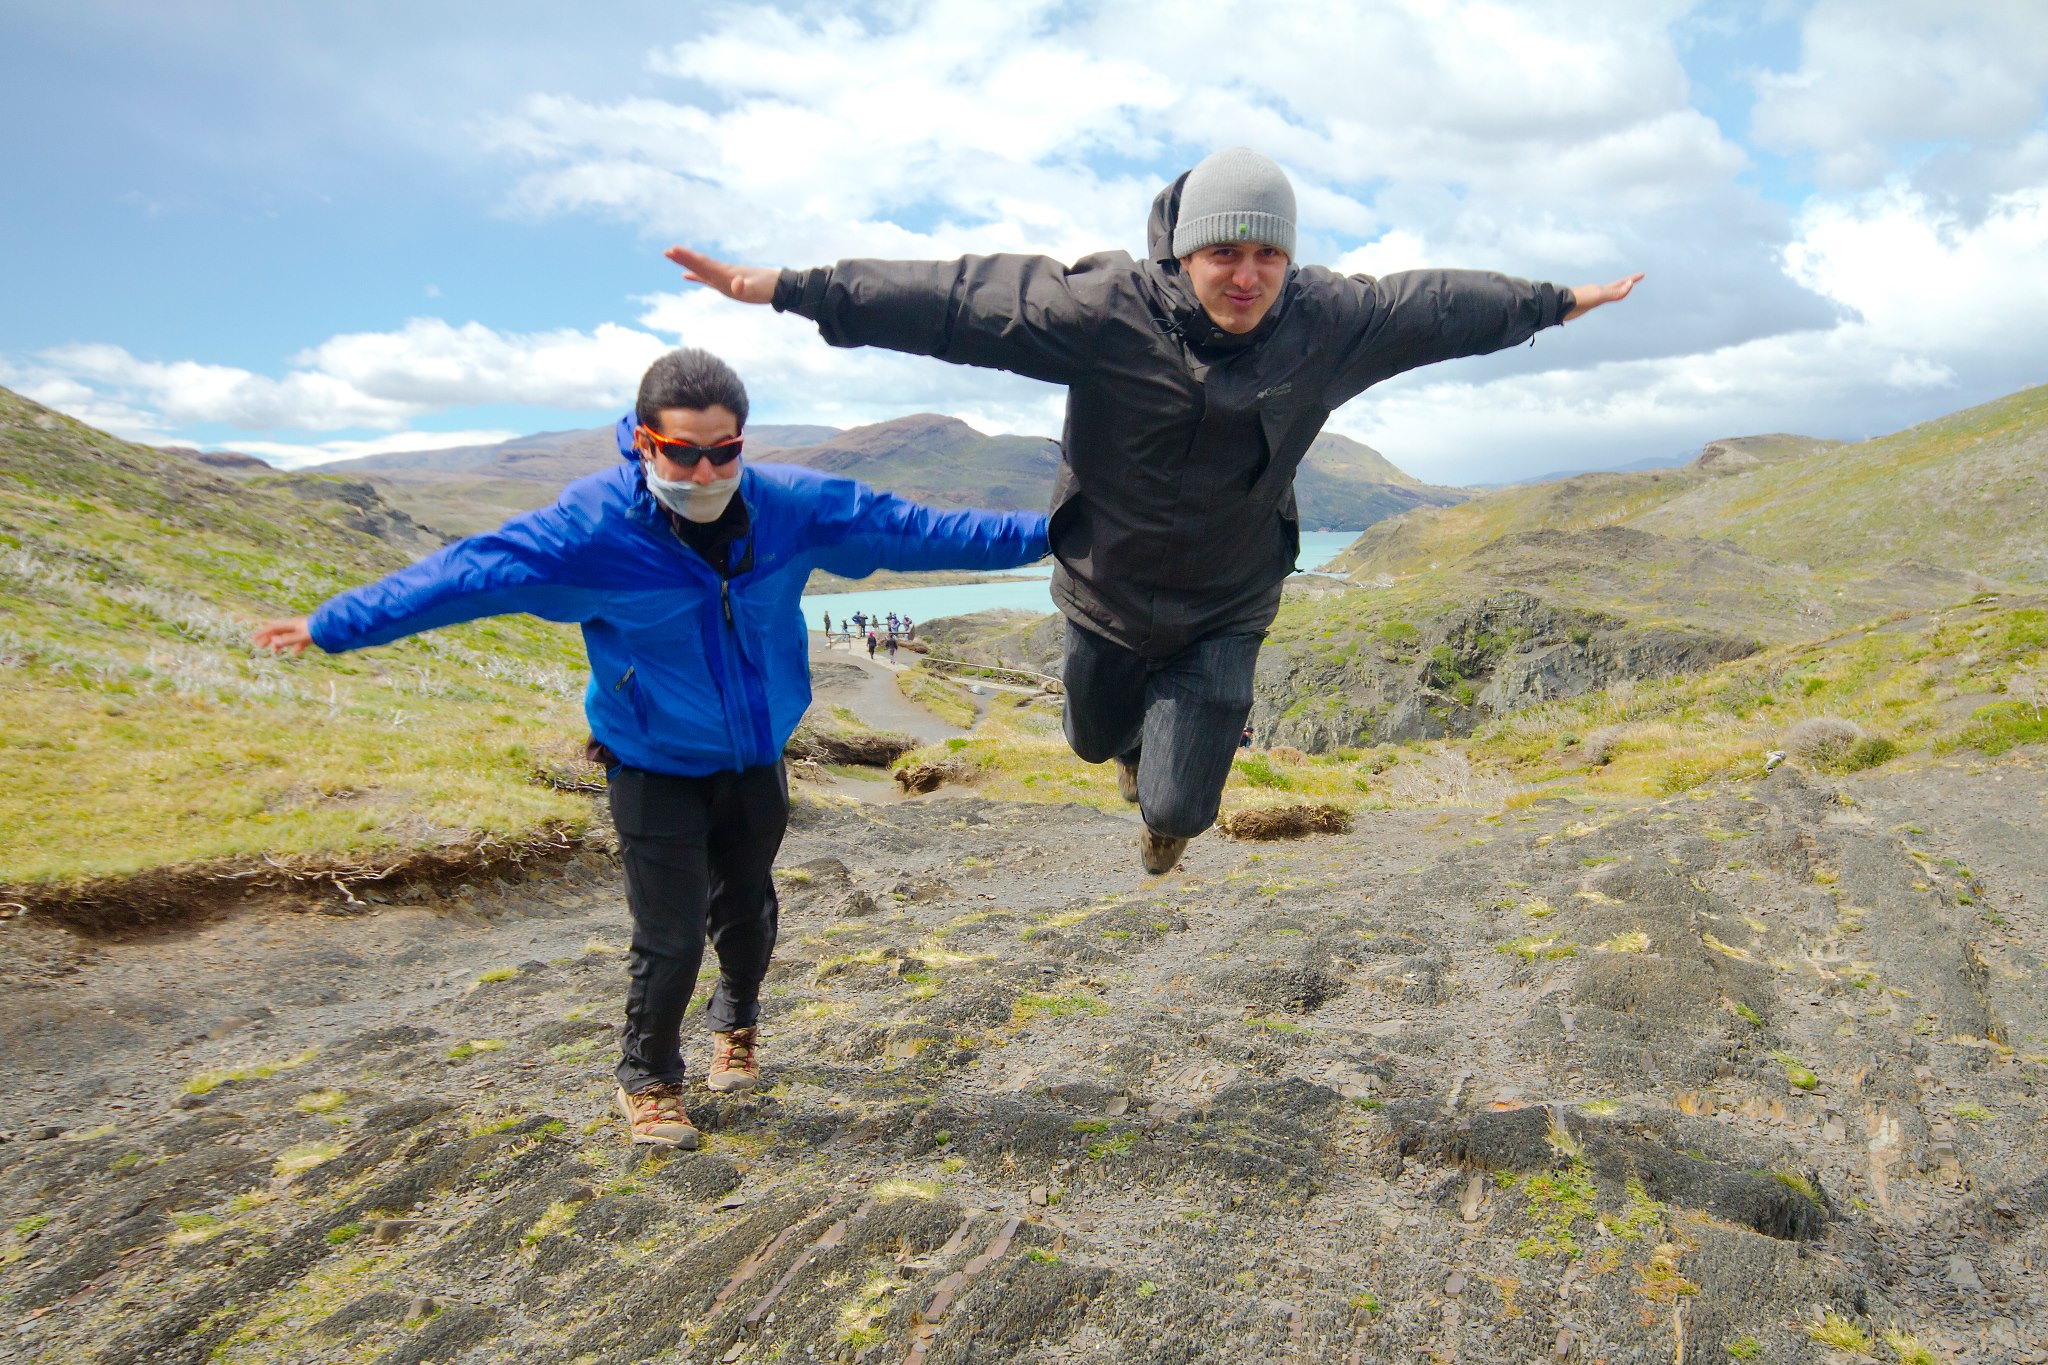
<point>1028,677</point>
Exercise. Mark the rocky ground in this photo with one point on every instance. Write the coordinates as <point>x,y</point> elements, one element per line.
<point>1694,1080</point>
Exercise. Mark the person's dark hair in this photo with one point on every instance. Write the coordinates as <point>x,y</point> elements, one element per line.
<point>689,378</point>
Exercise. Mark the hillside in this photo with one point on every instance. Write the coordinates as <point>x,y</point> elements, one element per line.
<point>1963,493</point>
<point>140,732</point>
<point>1692,1017</point>
<point>941,460</point>
<point>1529,594</point>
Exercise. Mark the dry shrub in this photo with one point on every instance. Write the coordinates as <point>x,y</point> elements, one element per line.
<point>1445,778</point>
<point>1285,822</point>
<point>926,777</point>
<point>1823,740</point>
<point>1285,754</point>
<point>872,748</point>
<point>1599,746</point>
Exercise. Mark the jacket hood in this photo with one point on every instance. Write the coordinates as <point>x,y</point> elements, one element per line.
<point>1165,216</point>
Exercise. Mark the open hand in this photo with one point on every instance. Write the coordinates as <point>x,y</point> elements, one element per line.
<point>289,633</point>
<point>747,283</point>
<point>1591,296</point>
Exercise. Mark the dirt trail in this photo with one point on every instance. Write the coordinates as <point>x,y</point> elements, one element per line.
<point>1625,1083</point>
<point>867,687</point>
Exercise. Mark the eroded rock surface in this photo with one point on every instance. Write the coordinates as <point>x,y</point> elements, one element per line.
<point>1625,1083</point>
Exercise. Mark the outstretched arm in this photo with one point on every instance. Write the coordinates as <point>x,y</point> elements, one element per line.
<point>1591,296</point>
<point>526,565</point>
<point>1007,312</point>
<point>859,530</point>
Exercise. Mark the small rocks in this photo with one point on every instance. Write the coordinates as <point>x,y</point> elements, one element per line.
<point>1040,1196</point>
<point>1455,1285</point>
<point>188,1100</point>
<point>420,1309</point>
<point>43,1133</point>
<point>1963,1275</point>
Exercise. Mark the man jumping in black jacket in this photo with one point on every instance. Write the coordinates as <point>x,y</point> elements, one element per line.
<point>1196,381</point>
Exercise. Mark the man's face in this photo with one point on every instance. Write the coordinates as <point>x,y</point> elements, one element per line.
<point>697,427</point>
<point>1237,282</point>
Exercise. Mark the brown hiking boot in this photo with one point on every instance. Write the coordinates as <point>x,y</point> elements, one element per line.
<point>1159,852</point>
<point>655,1116</point>
<point>1127,778</point>
<point>735,1062</point>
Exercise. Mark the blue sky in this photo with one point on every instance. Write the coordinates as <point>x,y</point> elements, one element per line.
<point>309,231</point>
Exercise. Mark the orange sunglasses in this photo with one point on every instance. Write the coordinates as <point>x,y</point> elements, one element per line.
<point>687,455</point>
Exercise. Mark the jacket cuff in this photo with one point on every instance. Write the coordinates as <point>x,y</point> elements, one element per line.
<point>320,625</point>
<point>1566,301</point>
<point>801,291</point>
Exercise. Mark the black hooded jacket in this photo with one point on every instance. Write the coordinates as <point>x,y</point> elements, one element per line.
<point>1173,516</point>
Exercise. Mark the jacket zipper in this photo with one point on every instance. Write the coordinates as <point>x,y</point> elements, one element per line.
<point>733,687</point>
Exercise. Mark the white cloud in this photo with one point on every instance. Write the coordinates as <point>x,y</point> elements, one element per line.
<point>375,380</point>
<point>430,364</point>
<point>1548,139</point>
<point>1882,77</point>
<point>1940,308</point>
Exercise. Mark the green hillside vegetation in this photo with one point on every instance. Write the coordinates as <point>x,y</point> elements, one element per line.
<point>1536,593</point>
<point>1916,688</point>
<point>139,729</point>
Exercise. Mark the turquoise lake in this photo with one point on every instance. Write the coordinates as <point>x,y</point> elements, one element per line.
<point>1029,590</point>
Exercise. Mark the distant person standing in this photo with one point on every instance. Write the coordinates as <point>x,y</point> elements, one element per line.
<point>860,622</point>
<point>909,630</point>
<point>871,644</point>
<point>828,626</point>
<point>685,568</point>
<point>892,646</point>
<point>1196,381</point>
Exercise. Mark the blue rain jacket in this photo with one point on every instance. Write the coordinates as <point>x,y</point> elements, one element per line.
<point>689,674</point>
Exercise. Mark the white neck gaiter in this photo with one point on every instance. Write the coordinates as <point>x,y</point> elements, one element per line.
<point>698,502</point>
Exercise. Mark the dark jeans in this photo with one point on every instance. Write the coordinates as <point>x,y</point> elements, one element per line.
<point>698,853</point>
<point>1184,713</point>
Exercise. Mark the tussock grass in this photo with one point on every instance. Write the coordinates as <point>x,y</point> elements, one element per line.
<point>138,728</point>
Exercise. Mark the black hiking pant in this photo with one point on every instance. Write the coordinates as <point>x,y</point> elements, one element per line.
<point>1179,718</point>
<point>698,854</point>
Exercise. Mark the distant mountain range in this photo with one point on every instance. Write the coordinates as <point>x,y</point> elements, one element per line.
<point>1342,485</point>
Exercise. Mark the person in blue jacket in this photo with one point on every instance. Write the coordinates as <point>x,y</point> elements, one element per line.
<point>684,566</point>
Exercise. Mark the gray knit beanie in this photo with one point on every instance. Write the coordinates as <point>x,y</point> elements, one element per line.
<point>1235,195</point>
